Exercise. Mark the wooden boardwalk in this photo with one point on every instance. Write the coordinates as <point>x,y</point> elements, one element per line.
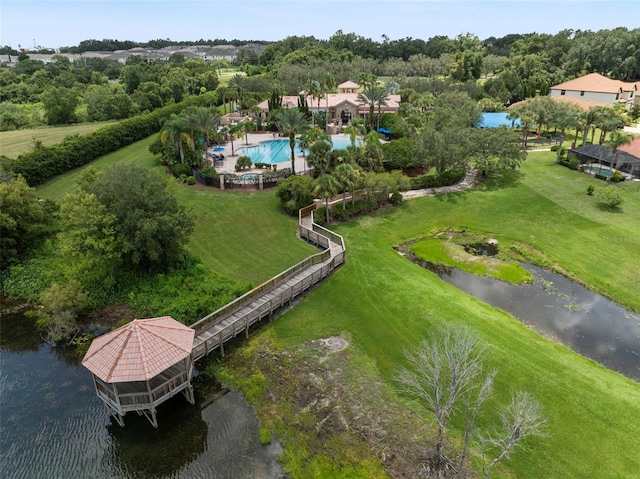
<point>235,318</point>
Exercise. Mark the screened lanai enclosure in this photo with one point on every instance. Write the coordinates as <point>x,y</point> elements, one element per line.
<point>622,161</point>
<point>142,364</point>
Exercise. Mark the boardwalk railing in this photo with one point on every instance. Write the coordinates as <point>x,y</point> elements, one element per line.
<point>215,329</point>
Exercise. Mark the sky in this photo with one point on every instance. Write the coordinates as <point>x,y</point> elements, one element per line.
<point>57,23</point>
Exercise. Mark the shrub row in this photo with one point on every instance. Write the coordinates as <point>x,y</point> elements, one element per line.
<point>73,151</point>
<point>449,177</point>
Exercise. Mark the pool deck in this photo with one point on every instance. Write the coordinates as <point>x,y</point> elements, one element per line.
<point>229,163</point>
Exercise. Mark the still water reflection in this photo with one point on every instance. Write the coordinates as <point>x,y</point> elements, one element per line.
<point>557,307</point>
<point>52,425</point>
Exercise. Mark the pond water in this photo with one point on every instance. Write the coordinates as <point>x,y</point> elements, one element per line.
<point>53,425</point>
<point>555,306</point>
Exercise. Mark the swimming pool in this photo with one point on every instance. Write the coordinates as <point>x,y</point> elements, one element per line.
<point>600,171</point>
<point>278,151</point>
<point>494,120</point>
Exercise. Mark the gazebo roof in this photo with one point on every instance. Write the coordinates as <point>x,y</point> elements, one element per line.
<point>139,350</point>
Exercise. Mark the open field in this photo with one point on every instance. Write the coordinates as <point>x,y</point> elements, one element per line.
<point>383,303</point>
<point>239,234</point>
<point>14,143</point>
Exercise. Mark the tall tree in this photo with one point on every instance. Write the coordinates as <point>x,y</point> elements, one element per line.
<point>292,122</point>
<point>373,96</point>
<point>328,83</point>
<point>616,140</point>
<point>60,105</point>
<point>326,187</point>
<point>151,226</point>
<point>440,374</point>
<point>347,176</point>
<point>175,130</point>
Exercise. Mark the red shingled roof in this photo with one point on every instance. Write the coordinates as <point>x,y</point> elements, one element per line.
<point>139,350</point>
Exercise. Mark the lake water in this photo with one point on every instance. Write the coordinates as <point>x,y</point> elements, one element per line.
<point>53,426</point>
<point>585,321</point>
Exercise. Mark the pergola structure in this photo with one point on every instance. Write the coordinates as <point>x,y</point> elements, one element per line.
<point>141,365</point>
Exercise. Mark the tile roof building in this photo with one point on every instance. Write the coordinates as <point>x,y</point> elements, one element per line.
<point>343,106</point>
<point>598,90</point>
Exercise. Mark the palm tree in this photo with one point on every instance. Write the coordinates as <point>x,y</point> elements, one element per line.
<point>588,118</point>
<point>175,129</point>
<point>319,153</point>
<point>292,122</point>
<point>328,83</point>
<point>248,126</point>
<point>234,130</point>
<point>312,89</point>
<point>372,96</point>
<point>237,85</point>
<point>347,176</point>
<point>325,188</point>
<point>205,121</point>
<point>616,140</point>
<point>223,91</point>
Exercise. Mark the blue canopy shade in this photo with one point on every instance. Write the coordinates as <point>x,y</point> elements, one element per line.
<point>218,148</point>
<point>384,131</point>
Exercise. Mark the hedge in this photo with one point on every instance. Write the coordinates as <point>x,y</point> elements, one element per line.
<point>44,162</point>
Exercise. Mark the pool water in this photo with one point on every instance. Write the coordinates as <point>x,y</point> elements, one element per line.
<point>601,171</point>
<point>495,120</point>
<point>278,151</point>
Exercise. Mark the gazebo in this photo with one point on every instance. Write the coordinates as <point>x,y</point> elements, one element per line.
<point>141,365</point>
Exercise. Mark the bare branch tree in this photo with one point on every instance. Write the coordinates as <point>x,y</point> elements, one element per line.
<point>472,410</point>
<point>523,417</point>
<point>441,371</point>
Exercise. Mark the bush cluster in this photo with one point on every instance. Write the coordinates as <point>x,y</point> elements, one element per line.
<point>449,177</point>
<point>44,162</point>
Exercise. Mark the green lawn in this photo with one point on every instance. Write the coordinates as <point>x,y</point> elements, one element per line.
<point>14,143</point>
<point>385,304</point>
<point>241,235</point>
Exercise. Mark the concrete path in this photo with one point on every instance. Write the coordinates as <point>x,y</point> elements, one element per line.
<point>465,184</point>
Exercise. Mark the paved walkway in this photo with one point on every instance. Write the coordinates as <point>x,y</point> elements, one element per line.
<point>468,181</point>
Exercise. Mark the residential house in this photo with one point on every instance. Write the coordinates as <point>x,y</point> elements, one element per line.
<point>597,90</point>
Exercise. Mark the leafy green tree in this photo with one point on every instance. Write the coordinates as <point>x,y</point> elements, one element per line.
<point>616,140</point>
<point>22,220</point>
<point>609,197</point>
<point>88,233</point>
<point>206,122</point>
<point>326,187</point>
<point>60,105</point>
<point>320,153</point>
<point>292,122</point>
<point>248,126</point>
<point>347,176</point>
<point>295,192</point>
<point>151,226</point>
<point>371,154</point>
<point>175,130</point>
<point>495,149</point>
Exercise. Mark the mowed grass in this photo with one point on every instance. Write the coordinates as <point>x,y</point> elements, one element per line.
<point>386,304</point>
<point>14,143</point>
<point>239,234</point>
